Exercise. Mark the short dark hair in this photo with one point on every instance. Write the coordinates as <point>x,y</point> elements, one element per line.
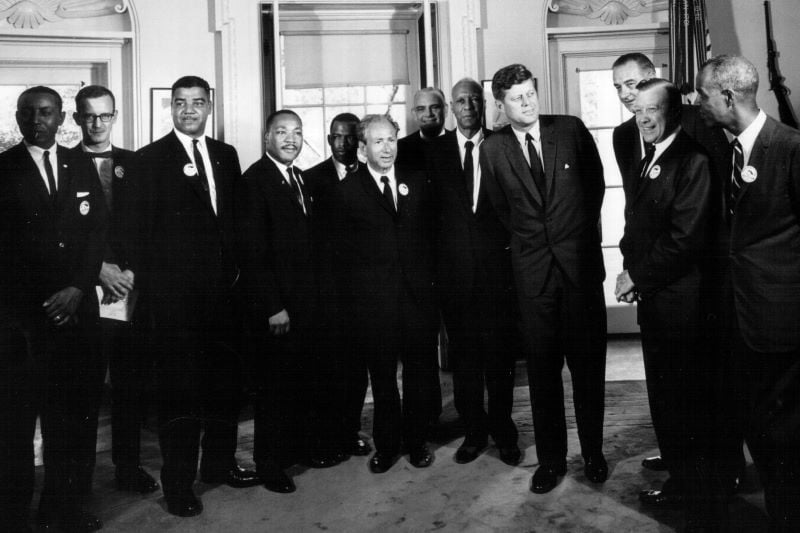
<point>39,89</point>
<point>187,82</point>
<point>275,114</point>
<point>674,96</point>
<point>369,120</point>
<point>93,91</point>
<point>348,118</point>
<point>507,77</point>
<point>635,57</point>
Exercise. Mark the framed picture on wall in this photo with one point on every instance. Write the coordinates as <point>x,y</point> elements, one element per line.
<point>493,117</point>
<point>161,113</point>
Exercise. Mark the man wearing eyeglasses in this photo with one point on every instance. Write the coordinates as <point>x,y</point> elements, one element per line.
<point>127,356</point>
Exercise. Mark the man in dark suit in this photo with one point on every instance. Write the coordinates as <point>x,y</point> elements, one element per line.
<point>429,108</point>
<point>52,230</point>
<point>761,244</point>
<point>340,418</point>
<point>666,236</point>
<point>278,279</point>
<point>628,71</point>
<point>545,180</point>
<point>384,271</point>
<point>189,275</point>
<point>474,281</point>
<point>128,357</point>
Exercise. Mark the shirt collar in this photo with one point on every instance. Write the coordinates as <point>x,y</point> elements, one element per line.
<point>533,131</point>
<point>87,149</point>
<point>462,139</point>
<point>748,136</point>
<point>377,176</point>
<point>186,140</point>
<point>341,168</point>
<point>33,149</point>
<point>662,146</point>
<point>442,132</point>
<point>283,167</point>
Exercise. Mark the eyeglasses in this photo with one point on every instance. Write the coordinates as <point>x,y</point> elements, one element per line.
<point>90,118</point>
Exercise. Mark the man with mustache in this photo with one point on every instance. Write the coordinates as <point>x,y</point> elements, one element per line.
<point>189,275</point>
<point>52,229</point>
<point>274,230</point>
<point>128,357</point>
<point>475,281</point>
<point>341,399</point>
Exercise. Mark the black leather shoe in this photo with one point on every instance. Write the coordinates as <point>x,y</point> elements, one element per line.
<point>661,498</point>
<point>358,447</point>
<point>135,479</point>
<point>275,479</point>
<point>596,469</point>
<point>510,455</point>
<point>655,464</point>
<point>468,452</point>
<point>236,477</point>
<point>79,521</point>
<point>420,456</point>
<point>545,478</point>
<point>184,503</point>
<point>380,462</point>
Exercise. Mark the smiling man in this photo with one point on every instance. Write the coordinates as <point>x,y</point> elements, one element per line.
<point>189,276</point>
<point>666,234</point>
<point>428,112</point>
<point>545,180</point>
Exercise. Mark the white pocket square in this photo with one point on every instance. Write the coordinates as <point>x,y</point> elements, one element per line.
<point>566,166</point>
<point>81,194</point>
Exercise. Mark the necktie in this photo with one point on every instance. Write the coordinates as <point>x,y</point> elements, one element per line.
<point>736,174</point>
<point>649,152</point>
<point>387,192</point>
<point>198,163</point>
<point>106,154</point>
<point>51,178</point>
<point>298,192</point>
<point>469,173</point>
<point>536,166</point>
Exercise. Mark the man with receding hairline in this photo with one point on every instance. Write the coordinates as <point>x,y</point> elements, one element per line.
<point>760,244</point>
<point>428,111</point>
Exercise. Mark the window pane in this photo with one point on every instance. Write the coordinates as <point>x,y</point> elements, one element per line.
<point>600,106</point>
<point>612,216</point>
<point>292,97</point>
<point>386,93</point>
<point>313,137</point>
<point>344,95</point>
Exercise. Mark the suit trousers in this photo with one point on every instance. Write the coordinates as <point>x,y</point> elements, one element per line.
<point>408,334</point>
<point>481,330</point>
<point>56,374</point>
<point>764,390</point>
<point>565,322</point>
<point>199,391</point>
<point>350,383</point>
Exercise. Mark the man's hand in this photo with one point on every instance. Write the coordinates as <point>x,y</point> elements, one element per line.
<point>116,284</point>
<point>279,323</point>
<point>625,290</point>
<point>61,306</point>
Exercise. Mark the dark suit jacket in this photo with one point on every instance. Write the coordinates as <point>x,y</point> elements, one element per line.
<point>412,151</point>
<point>472,248</point>
<point>378,253</point>
<point>275,245</point>
<point>190,261</point>
<point>566,229</point>
<point>763,247</point>
<point>47,248</point>
<point>666,221</point>
<point>121,240</point>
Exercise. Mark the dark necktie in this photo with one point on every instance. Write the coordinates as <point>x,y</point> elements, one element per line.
<point>736,175</point>
<point>536,166</point>
<point>469,173</point>
<point>649,152</point>
<point>298,192</point>
<point>201,167</point>
<point>387,192</point>
<point>51,178</point>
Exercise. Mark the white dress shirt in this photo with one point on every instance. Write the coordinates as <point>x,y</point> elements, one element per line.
<point>537,142</point>
<point>749,135</point>
<point>186,141</point>
<point>392,181</point>
<point>38,157</point>
<point>476,139</point>
<point>284,169</point>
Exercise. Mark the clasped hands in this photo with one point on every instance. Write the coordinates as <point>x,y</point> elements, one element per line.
<point>625,290</point>
<point>116,283</point>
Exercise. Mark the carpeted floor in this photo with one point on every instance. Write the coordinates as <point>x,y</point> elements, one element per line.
<point>485,495</point>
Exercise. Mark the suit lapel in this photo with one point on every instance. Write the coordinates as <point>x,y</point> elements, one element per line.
<point>454,154</point>
<point>32,182</point>
<point>758,156</point>
<point>65,172</point>
<point>549,151</point>
<point>274,173</point>
<point>372,191</point>
<point>181,161</point>
<point>519,165</point>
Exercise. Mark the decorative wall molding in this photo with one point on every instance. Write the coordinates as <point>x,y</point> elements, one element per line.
<point>609,11</point>
<point>30,14</point>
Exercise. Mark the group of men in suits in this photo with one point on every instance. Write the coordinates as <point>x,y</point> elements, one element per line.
<point>710,255</point>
